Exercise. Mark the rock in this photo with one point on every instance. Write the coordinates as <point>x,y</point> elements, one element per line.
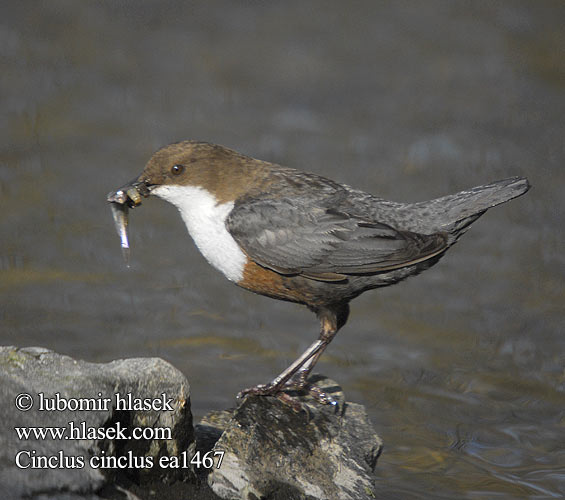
<point>271,451</point>
<point>79,390</point>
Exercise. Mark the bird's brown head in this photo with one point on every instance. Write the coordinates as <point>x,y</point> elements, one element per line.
<point>219,170</point>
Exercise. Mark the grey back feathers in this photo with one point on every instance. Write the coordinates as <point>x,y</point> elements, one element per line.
<point>334,231</point>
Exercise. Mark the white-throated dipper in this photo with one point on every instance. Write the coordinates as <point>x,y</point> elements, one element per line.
<point>302,238</point>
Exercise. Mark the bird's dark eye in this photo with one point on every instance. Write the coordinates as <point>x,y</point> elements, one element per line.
<point>177,169</point>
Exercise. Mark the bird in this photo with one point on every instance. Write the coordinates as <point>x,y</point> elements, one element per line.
<point>303,238</point>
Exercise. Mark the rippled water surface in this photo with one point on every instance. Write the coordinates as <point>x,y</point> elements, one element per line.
<point>463,368</point>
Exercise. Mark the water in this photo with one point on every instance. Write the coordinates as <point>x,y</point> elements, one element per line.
<point>462,368</point>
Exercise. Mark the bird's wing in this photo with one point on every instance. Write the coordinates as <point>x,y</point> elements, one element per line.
<point>292,237</point>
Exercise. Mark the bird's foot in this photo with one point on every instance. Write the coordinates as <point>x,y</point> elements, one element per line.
<point>302,385</point>
<point>321,396</point>
<point>299,385</point>
<point>269,389</point>
<point>275,390</point>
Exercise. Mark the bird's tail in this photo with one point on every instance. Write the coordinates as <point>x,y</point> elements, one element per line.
<point>454,213</point>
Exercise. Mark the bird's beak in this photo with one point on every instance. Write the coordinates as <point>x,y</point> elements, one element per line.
<point>130,194</point>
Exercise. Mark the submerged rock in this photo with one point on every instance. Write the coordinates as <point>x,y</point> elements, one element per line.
<point>272,451</point>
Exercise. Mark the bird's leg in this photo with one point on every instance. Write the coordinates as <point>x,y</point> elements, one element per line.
<point>299,379</point>
<point>331,319</point>
<point>276,385</point>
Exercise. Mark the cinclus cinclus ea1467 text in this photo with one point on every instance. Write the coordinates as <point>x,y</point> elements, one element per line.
<point>299,237</point>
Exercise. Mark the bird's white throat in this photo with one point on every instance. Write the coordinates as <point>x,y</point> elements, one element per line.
<point>205,220</point>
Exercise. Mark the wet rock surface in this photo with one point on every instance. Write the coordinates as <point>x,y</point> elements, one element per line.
<point>272,451</point>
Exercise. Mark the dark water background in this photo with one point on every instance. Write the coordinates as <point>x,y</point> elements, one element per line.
<point>463,368</point>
